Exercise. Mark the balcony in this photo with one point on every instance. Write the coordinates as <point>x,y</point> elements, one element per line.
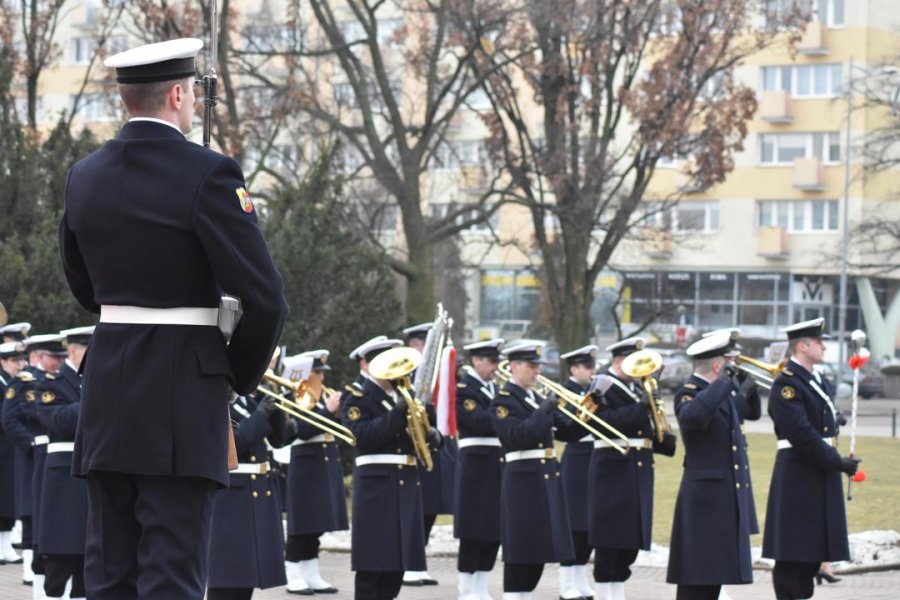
<point>657,243</point>
<point>772,243</point>
<point>809,174</point>
<point>775,106</point>
<point>813,42</point>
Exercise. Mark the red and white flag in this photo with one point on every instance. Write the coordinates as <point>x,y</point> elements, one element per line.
<point>445,393</point>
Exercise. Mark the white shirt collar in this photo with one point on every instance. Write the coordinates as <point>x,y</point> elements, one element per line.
<point>155,120</point>
<point>71,366</point>
<point>706,379</point>
<point>471,371</point>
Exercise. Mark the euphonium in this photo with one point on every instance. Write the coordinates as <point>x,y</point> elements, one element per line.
<point>642,365</point>
<point>395,365</point>
<point>295,409</point>
<point>576,407</point>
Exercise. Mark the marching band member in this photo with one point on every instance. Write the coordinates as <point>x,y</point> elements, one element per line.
<point>387,533</point>
<point>63,504</point>
<point>711,528</point>
<point>247,540</point>
<point>435,500</point>
<point>805,519</point>
<point>621,486</point>
<point>316,498</point>
<point>12,361</point>
<point>531,489</point>
<point>574,465</point>
<point>478,473</point>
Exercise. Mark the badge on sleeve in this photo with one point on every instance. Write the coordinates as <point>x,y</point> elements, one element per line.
<point>787,392</point>
<point>244,197</point>
<point>502,412</point>
<point>353,413</point>
<point>10,393</point>
<point>29,396</point>
<point>469,404</point>
<point>48,397</point>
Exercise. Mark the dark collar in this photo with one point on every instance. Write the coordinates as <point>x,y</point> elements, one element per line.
<point>144,130</point>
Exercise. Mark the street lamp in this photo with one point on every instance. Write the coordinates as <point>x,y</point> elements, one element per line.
<point>845,237</point>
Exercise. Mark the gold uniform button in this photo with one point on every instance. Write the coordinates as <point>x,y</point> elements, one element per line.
<point>401,482</point>
<point>736,467</point>
<point>399,467</point>
<point>737,485</point>
<point>398,450</point>
<point>640,463</point>
<point>543,462</point>
<point>746,467</point>
<point>826,429</point>
<point>253,477</point>
<point>252,459</point>
<point>268,492</point>
<point>734,448</point>
<point>255,494</point>
<point>540,445</point>
<point>502,459</point>
<point>324,445</point>
<point>640,432</point>
<point>418,483</point>
<point>557,473</point>
<point>546,476</point>
<point>326,459</point>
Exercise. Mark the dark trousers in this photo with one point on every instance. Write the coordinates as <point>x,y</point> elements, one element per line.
<point>58,568</point>
<point>302,547</point>
<point>147,536</point>
<point>377,585</point>
<point>429,523</point>
<point>521,577</point>
<point>582,550</point>
<point>476,555</point>
<point>794,580</point>
<point>229,593</point>
<point>697,592</point>
<point>27,535</point>
<point>613,564</point>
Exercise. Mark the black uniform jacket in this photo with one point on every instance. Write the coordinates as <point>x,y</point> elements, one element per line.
<point>152,220</point>
<point>480,467</point>
<point>316,496</point>
<point>711,527</point>
<point>805,516</point>
<point>7,460</point>
<point>388,532</point>
<point>247,539</point>
<point>621,486</point>
<point>63,498</point>
<point>20,426</point>
<point>534,526</point>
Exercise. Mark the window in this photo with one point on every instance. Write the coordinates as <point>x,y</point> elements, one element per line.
<point>96,107</point>
<point>784,148</point>
<point>509,294</point>
<point>82,49</point>
<point>460,153</point>
<point>388,32</point>
<point>798,216</point>
<point>684,216</point>
<point>441,210</point>
<point>805,81</point>
<point>272,37</point>
<point>829,12</point>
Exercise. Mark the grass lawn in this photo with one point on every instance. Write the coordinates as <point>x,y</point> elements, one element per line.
<point>875,504</point>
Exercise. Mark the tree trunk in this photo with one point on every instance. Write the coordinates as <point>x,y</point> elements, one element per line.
<point>420,301</point>
<point>31,86</point>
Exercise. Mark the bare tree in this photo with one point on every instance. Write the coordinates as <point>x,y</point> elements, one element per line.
<point>600,91</point>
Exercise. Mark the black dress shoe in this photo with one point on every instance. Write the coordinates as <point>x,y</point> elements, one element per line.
<point>326,590</point>
<point>427,581</point>
<point>413,582</point>
<point>303,592</point>
<point>826,576</point>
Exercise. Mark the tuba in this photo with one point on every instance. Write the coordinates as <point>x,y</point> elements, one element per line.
<point>573,406</point>
<point>395,365</point>
<point>302,412</point>
<point>641,365</point>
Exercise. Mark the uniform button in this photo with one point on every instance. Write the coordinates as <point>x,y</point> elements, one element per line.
<point>255,494</point>
<point>419,483</point>
<point>540,445</point>
<point>557,473</point>
<point>825,428</point>
<point>326,459</point>
<point>501,459</point>
<point>401,482</point>
<point>640,432</point>
<point>268,492</point>
<point>747,467</point>
<point>543,462</point>
<point>640,463</point>
<point>253,477</point>
<point>399,467</point>
<point>734,448</point>
<point>546,476</point>
<point>324,445</point>
<point>398,450</point>
<point>737,485</point>
<point>736,467</point>
<point>252,459</point>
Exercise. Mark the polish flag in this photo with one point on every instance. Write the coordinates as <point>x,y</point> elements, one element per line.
<point>445,393</point>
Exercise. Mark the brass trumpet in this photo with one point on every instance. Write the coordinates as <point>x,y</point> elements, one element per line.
<point>395,365</point>
<point>303,413</point>
<point>642,365</point>
<point>762,372</point>
<point>576,407</point>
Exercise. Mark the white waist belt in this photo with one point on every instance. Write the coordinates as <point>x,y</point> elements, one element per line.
<point>530,454</point>
<point>632,443</point>
<point>479,441</point>
<point>585,439</point>
<point>386,459</point>
<point>785,444</point>
<point>60,447</point>
<point>139,315</point>
<point>251,469</point>
<point>322,437</point>
<point>40,440</point>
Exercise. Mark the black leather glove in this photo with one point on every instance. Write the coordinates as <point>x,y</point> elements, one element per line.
<point>266,406</point>
<point>292,429</point>
<point>745,385</point>
<point>667,446</point>
<point>849,465</point>
<point>400,406</point>
<point>434,438</point>
<point>645,400</point>
<point>729,371</point>
<point>741,376</point>
<point>548,404</point>
<point>841,419</point>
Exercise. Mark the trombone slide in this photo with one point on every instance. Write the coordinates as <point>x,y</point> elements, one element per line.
<point>310,416</point>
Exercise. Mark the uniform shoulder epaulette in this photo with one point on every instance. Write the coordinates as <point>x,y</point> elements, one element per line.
<point>503,393</point>
<point>461,385</point>
<point>788,372</point>
<point>26,376</point>
<point>690,386</point>
<point>353,391</point>
<point>50,376</point>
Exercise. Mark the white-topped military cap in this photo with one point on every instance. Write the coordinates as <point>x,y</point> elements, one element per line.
<point>626,346</point>
<point>51,342</point>
<point>320,359</point>
<point>78,335</point>
<point>162,61</point>
<point>418,331</point>
<point>11,349</point>
<point>733,333</point>
<point>710,346</point>
<point>814,328</point>
<point>357,352</point>
<point>485,347</point>
<point>528,351</point>
<point>16,330</point>
<point>586,355</point>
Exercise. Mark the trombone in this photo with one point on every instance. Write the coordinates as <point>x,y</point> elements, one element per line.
<point>642,365</point>
<point>303,413</point>
<point>762,372</point>
<point>573,406</point>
